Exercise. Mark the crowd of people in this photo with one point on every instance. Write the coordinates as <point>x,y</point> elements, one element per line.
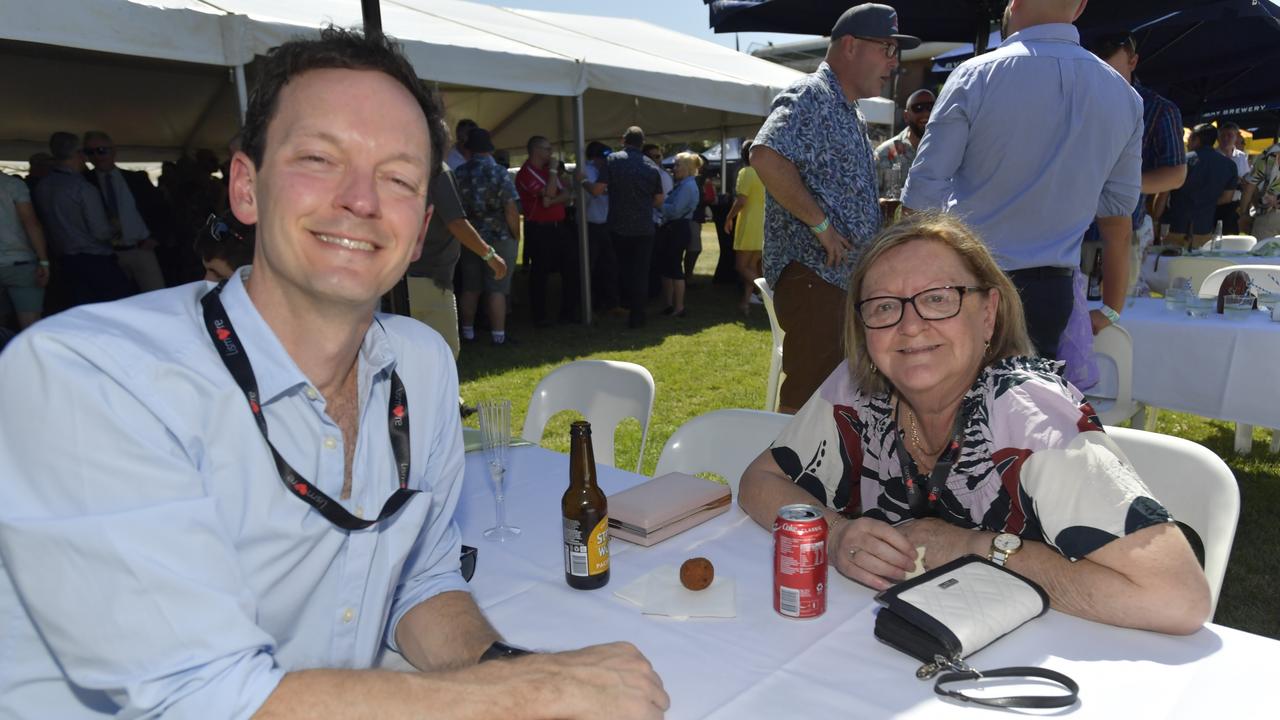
<point>81,229</point>
<point>919,358</point>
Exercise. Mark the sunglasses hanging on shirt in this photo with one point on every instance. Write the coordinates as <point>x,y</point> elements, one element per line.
<point>233,356</point>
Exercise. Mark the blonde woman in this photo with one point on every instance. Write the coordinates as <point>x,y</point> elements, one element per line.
<point>746,222</point>
<point>677,228</point>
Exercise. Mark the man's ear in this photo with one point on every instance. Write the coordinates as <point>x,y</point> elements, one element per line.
<point>242,189</point>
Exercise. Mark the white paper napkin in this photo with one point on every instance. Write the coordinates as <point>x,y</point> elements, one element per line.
<point>659,592</point>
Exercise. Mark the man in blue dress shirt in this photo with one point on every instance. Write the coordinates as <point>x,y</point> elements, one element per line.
<point>152,561</point>
<point>1029,143</point>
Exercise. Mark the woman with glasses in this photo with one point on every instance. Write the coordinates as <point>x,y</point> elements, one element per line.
<point>941,436</point>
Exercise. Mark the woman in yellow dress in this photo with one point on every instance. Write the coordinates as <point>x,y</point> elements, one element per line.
<point>748,230</point>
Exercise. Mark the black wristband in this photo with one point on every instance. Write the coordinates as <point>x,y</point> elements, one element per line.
<point>501,651</point>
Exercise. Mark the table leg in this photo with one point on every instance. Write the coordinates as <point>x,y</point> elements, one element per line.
<point>1275,440</point>
<point>1244,438</point>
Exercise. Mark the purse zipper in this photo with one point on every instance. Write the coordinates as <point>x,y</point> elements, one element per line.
<point>942,662</point>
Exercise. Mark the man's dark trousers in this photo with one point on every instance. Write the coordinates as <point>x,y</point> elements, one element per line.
<point>1047,297</point>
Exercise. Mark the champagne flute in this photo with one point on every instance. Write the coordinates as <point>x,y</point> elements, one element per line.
<point>495,433</point>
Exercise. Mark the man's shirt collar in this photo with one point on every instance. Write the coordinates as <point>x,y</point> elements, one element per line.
<point>1064,32</point>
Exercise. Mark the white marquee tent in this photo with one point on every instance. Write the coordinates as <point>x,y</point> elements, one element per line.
<point>161,75</point>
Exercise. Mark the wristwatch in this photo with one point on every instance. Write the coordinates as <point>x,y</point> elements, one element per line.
<point>1002,546</point>
<point>501,651</point>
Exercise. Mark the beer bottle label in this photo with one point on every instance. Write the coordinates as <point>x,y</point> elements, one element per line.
<point>587,555</point>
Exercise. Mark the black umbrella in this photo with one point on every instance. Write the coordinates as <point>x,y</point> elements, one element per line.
<point>1215,60</point>
<point>932,20</point>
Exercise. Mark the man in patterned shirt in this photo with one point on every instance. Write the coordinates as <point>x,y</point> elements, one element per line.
<point>489,199</point>
<point>815,159</point>
<point>1261,188</point>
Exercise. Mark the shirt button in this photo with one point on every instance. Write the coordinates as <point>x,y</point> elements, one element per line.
<point>312,394</point>
<point>330,443</point>
<point>348,615</point>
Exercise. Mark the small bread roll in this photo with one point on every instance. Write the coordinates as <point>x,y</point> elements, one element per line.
<point>697,573</point>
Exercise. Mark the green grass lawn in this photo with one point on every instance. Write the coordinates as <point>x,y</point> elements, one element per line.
<point>715,358</point>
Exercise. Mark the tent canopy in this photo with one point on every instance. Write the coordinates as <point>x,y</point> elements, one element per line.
<point>155,73</point>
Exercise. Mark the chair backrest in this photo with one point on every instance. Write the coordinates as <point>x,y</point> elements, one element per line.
<point>1194,485</point>
<point>1266,277</point>
<point>1242,243</point>
<point>723,442</point>
<point>605,391</point>
<point>766,294</point>
<point>1115,347</point>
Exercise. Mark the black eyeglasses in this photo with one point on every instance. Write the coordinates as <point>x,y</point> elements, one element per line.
<point>101,150</point>
<point>890,48</point>
<point>921,107</point>
<point>938,303</point>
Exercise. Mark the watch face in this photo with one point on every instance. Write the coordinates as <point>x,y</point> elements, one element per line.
<point>1007,542</point>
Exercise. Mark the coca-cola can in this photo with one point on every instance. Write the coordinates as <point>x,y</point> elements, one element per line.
<point>800,561</point>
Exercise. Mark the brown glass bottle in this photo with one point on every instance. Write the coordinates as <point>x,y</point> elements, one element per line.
<point>585,513</point>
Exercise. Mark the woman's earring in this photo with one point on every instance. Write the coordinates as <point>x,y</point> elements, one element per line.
<point>873,368</point>
<point>986,346</point>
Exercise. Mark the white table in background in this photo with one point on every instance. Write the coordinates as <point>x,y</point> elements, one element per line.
<point>762,665</point>
<point>1211,366</point>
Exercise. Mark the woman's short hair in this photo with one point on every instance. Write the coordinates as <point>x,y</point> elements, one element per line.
<point>691,162</point>
<point>1009,338</point>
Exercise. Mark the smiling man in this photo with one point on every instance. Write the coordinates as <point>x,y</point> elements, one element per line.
<point>215,504</point>
<point>815,159</point>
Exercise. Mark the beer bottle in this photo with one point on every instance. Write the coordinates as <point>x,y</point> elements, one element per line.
<point>1095,278</point>
<point>585,513</point>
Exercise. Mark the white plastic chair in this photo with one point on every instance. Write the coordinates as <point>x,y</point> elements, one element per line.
<point>775,356</point>
<point>1114,346</point>
<point>1236,243</point>
<point>1194,485</point>
<point>723,442</point>
<point>605,391</point>
<point>1266,277</point>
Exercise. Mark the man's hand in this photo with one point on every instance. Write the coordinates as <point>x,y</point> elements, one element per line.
<point>611,681</point>
<point>728,225</point>
<point>871,552</point>
<point>42,275</point>
<point>835,245</point>
<point>498,266</point>
<point>1098,321</point>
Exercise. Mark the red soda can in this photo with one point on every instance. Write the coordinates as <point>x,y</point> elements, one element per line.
<point>800,561</point>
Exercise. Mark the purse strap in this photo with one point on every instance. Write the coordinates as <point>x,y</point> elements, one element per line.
<point>1010,701</point>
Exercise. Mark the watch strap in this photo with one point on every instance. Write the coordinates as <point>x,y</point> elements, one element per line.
<point>501,651</point>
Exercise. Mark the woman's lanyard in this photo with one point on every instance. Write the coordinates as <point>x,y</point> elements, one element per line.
<point>237,362</point>
<point>923,501</point>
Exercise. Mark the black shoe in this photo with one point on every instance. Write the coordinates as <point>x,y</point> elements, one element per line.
<point>683,313</point>
<point>542,324</point>
<point>668,310</point>
<point>466,410</point>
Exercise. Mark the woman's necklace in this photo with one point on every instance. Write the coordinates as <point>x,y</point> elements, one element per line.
<point>918,442</point>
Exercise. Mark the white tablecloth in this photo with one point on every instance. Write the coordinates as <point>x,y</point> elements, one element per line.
<point>762,665</point>
<point>1212,366</point>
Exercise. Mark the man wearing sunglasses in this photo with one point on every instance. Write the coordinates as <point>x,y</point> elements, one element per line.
<point>815,159</point>
<point>225,501</point>
<point>895,155</point>
<point>133,206</point>
<point>1029,143</point>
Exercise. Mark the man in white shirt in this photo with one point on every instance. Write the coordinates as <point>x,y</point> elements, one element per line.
<point>128,196</point>
<point>1228,135</point>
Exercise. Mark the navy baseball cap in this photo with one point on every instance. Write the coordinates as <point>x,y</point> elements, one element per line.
<point>872,20</point>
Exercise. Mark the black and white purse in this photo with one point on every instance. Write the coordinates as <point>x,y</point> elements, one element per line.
<point>953,611</point>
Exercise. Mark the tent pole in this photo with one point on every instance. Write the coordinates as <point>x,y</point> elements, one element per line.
<point>584,247</point>
<point>724,160</point>
<point>241,93</point>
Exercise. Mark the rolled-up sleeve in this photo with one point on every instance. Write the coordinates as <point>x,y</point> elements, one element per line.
<point>1123,188</point>
<point>115,552</point>
<point>942,148</point>
<point>434,566</point>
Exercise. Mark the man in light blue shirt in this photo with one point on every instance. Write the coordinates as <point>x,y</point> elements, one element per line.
<point>1029,143</point>
<point>224,501</point>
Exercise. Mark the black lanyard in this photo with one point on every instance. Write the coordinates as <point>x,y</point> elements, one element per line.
<point>923,501</point>
<point>237,362</point>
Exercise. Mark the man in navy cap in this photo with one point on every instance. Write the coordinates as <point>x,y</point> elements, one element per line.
<point>818,164</point>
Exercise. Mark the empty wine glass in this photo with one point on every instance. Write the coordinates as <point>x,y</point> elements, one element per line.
<point>495,433</point>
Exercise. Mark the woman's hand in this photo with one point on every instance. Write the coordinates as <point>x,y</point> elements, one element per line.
<point>871,552</point>
<point>944,542</point>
